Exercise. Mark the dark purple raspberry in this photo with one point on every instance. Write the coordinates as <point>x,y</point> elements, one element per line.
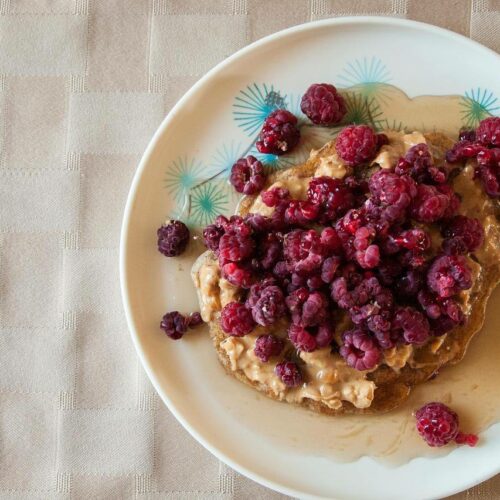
<point>489,158</point>
<point>359,350</point>
<point>413,239</point>
<point>453,200</point>
<point>388,271</point>
<point>467,135</point>
<point>418,164</point>
<point>301,338</point>
<point>462,151</point>
<point>329,268</point>
<point>412,324</point>
<point>235,247</point>
<point>429,205</point>
<point>267,346</point>
<point>382,140</point>
<point>441,325</point>
<point>437,424</point>
<point>211,237</point>
<point>334,197</point>
<point>174,324</point>
<point>323,105</point>
<point>490,180</point>
<point>173,238</point>
<point>387,188</point>
<point>330,241</point>
<point>448,275</point>
<point>324,335</point>
<point>280,270</point>
<point>289,373</point>
<point>410,283</point>
<point>279,133</point>
<point>303,251</point>
<point>273,196</point>
<point>301,213</point>
<point>307,308</point>
<point>269,307</point>
<point>442,309</point>
<point>247,175</point>
<point>488,132</point>
<point>462,232</point>
<point>237,275</point>
<point>236,319</point>
<point>356,144</point>
<point>194,319</point>
<point>256,291</point>
<point>258,222</point>
<point>270,250</point>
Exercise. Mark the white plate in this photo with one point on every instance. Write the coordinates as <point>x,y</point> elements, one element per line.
<point>207,130</point>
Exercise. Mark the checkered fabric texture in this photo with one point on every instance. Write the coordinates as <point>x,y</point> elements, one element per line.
<point>83,86</point>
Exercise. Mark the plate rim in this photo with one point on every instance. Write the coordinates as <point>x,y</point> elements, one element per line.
<point>131,196</point>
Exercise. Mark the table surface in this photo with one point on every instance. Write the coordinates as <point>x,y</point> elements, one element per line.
<point>83,86</point>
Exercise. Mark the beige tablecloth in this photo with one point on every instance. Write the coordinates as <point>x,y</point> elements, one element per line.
<point>83,86</point>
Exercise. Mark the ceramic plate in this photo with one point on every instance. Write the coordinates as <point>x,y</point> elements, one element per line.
<point>383,66</point>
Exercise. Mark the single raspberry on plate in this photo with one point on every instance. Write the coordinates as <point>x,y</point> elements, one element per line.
<point>301,338</point>
<point>448,275</point>
<point>323,105</point>
<point>247,175</point>
<point>438,425</point>
<point>488,132</point>
<point>173,238</point>
<point>279,134</point>
<point>289,373</point>
<point>356,144</point>
<point>236,319</point>
<point>174,324</point>
<point>359,350</point>
<point>267,346</point>
<point>462,232</point>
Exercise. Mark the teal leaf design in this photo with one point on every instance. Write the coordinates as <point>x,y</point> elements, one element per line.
<point>397,126</point>
<point>362,109</point>
<point>181,175</point>
<point>477,104</point>
<point>208,201</point>
<point>225,157</point>
<point>364,71</point>
<point>252,105</point>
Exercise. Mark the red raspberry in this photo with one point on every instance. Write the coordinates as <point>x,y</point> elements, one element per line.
<point>334,197</point>
<point>490,180</point>
<point>324,335</point>
<point>269,250</point>
<point>303,251</point>
<point>273,196</point>
<point>301,338</point>
<point>412,324</point>
<point>413,239</point>
<point>289,373</point>
<point>488,132</point>
<point>269,307</point>
<point>388,188</point>
<point>467,135</point>
<point>356,144</point>
<point>462,232</point>
<point>301,213</point>
<point>329,268</point>
<point>330,241</point>
<point>235,247</point>
<point>429,205</point>
<point>173,238</point>
<point>369,258</point>
<point>236,319</point>
<point>237,275</point>
<point>279,133</point>
<point>267,346</point>
<point>211,237</point>
<point>307,308</point>
<point>323,105</point>
<point>359,350</point>
<point>463,150</point>
<point>247,175</point>
<point>448,275</point>
<point>418,163</point>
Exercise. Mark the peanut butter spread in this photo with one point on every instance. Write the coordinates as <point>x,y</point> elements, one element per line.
<point>327,378</point>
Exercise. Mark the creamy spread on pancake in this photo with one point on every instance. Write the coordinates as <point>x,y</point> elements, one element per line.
<point>327,378</point>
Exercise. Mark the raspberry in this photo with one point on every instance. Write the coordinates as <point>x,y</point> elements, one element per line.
<point>259,223</point>
<point>453,200</point>
<point>359,350</point>
<point>413,325</point>
<point>448,275</point>
<point>330,241</point>
<point>490,180</point>
<point>273,196</point>
<point>303,251</point>
<point>429,205</point>
<point>356,144</point>
<point>235,247</point>
<point>329,268</point>
<point>418,164</point>
<point>488,132</point>
<point>301,213</point>
<point>280,270</point>
<point>323,105</point>
<point>236,319</point>
<point>269,249</point>
<point>388,271</point>
<point>489,158</point>
<point>324,335</point>
<point>462,232</point>
<point>267,346</point>
<point>237,275</point>
<point>247,175</point>
<point>410,283</point>
<point>279,133</point>
<point>334,197</point>
<point>256,291</point>
<point>289,373</point>
<point>174,324</point>
<point>301,338</point>
<point>211,237</point>
<point>467,135</point>
<point>369,258</point>
<point>194,319</point>
<point>382,140</point>
<point>462,151</point>
<point>436,307</point>
<point>173,238</point>
<point>413,239</point>
<point>387,188</point>
<point>269,307</point>
<point>438,425</point>
<point>307,308</point>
